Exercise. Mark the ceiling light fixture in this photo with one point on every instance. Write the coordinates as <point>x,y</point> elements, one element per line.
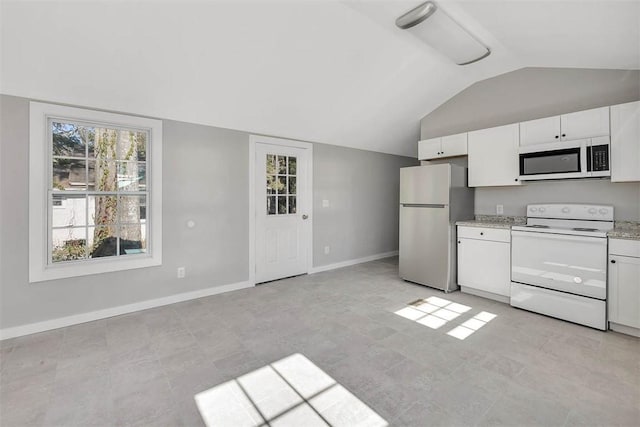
<point>443,34</point>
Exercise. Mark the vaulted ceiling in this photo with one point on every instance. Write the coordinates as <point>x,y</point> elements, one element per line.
<point>338,72</point>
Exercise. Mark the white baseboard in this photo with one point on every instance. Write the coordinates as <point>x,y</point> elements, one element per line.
<point>623,329</point>
<point>61,322</point>
<point>352,262</point>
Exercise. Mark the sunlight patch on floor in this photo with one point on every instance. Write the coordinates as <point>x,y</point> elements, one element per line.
<point>290,392</point>
<point>435,312</point>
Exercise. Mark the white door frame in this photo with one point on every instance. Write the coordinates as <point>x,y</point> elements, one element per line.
<point>308,199</point>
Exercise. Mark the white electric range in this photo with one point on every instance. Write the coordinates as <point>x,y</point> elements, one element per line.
<point>559,262</point>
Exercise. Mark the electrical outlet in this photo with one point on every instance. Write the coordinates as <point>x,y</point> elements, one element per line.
<point>500,209</point>
<point>325,203</point>
<point>327,249</point>
<point>181,272</point>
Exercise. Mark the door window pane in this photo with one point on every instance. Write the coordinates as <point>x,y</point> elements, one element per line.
<point>292,185</point>
<point>271,164</point>
<point>271,205</point>
<point>282,185</point>
<point>292,165</point>
<point>292,204</point>
<point>282,165</point>
<point>282,205</point>
<point>271,184</point>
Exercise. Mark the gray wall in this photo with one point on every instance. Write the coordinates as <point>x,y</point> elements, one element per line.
<point>527,94</point>
<point>625,197</point>
<point>362,190</point>
<point>205,178</point>
<point>532,93</point>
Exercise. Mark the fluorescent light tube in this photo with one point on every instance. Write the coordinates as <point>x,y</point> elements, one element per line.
<point>443,33</point>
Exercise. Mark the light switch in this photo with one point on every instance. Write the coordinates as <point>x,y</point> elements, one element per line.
<point>500,209</point>
<point>325,203</point>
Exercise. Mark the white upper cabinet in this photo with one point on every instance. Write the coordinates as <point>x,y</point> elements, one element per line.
<point>429,148</point>
<point>454,145</point>
<point>540,131</point>
<point>585,124</point>
<point>567,127</point>
<point>446,146</point>
<point>493,156</point>
<point>625,142</point>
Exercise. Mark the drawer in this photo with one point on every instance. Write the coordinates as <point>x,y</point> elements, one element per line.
<point>624,247</point>
<point>482,233</point>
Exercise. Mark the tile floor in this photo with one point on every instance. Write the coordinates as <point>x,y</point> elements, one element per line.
<point>145,368</point>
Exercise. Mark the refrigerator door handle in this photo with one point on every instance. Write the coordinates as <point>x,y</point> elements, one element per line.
<point>422,205</point>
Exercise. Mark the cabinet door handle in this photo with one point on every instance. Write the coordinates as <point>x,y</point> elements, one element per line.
<point>516,179</point>
<point>557,136</point>
<point>564,134</point>
<point>482,233</point>
<point>613,261</point>
<point>459,241</point>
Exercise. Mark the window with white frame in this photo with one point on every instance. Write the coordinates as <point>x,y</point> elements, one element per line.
<point>95,192</point>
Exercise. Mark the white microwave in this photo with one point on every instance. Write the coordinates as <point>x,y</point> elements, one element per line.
<point>582,158</point>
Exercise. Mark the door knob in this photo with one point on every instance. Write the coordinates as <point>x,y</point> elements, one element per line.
<point>305,216</point>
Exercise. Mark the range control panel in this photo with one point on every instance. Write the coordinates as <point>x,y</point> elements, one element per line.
<point>571,211</point>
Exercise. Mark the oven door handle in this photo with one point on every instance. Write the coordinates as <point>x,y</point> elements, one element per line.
<point>553,236</point>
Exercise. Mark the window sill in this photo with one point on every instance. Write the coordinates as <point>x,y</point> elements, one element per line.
<point>85,268</point>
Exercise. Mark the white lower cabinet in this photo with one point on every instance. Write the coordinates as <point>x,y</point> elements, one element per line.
<point>484,266</point>
<point>624,286</point>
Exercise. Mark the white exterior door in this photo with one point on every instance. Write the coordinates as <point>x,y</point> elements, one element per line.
<point>282,209</point>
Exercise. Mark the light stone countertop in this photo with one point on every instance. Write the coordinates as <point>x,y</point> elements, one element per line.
<point>629,230</point>
<point>493,221</point>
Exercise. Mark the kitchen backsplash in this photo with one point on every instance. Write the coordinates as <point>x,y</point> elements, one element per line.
<point>624,197</point>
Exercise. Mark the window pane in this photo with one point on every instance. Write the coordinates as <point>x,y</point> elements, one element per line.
<point>141,145</point>
<point>282,164</point>
<point>69,174</point>
<point>271,205</point>
<point>133,239</point>
<point>128,144</point>
<point>131,176</point>
<point>292,204</point>
<point>292,165</point>
<point>282,205</point>
<point>282,185</point>
<point>102,175</point>
<point>103,242</point>
<point>292,185</point>
<point>271,184</point>
<point>68,139</point>
<point>68,210</point>
<point>106,143</point>
<point>271,164</point>
<point>68,244</point>
<point>132,208</point>
<point>102,209</point>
